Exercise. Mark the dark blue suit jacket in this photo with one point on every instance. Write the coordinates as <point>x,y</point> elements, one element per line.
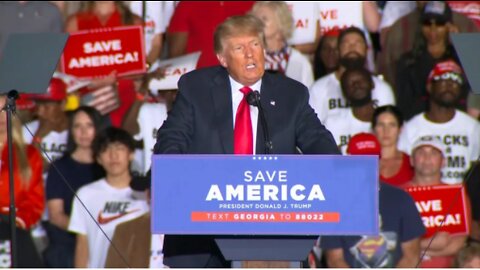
<point>201,122</point>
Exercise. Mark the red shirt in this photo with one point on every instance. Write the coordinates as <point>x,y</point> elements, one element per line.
<point>403,175</point>
<point>199,19</point>
<point>126,89</point>
<point>29,199</point>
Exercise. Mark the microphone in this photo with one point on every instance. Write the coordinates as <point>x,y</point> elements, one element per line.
<point>253,99</point>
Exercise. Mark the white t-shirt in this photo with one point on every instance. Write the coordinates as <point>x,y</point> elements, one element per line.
<point>299,68</point>
<point>326,96</point>
<point>54,143</point>
<point>305,17</point>
<point>110,206</point>
<point>344,125</point>
<point>343,14</point>
<point>157,18</point>
<point>461,136</point>
<point>150,118</point>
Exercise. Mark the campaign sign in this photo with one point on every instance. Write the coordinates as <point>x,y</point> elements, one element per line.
<point>265,195</point>
<point>442,208</point>
<point>96,53</point>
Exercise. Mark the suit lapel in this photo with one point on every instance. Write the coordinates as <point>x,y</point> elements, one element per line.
<point>222,100</point>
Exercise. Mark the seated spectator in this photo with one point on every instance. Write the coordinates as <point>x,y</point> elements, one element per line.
<point>106,14</point>
<point>326,96</point>
<point>357,86</point>
<point>457,130</point>
<point>428,158</point>
<point>278,28</point>
<point>395,168</point>
<point>78,168</point>
<point>193,23</point>
<point>401,36</point>
<point>134,240</point>
<point>468,256</point>
<point>108,200</point>
<point>325,59</point>
<point>29,193</point>
<point>432,46</point>
<point>397,245</point>
<point>50,130</point>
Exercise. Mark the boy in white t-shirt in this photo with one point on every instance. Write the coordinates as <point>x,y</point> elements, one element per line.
<point>109,201</point>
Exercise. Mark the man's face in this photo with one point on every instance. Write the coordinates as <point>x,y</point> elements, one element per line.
<point>357,89</point>
<point>352,50</point>
<point>243,57</point>
<point>427,161</point>
<point>49,110</point>
<point>115,159</point>
<point>445,93</point>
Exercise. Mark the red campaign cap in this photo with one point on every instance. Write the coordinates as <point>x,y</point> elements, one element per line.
<point>446,70</point>
<point>24,102</point>
<point>57,91</point>
<point>364,144</point>
<point>334,32</point>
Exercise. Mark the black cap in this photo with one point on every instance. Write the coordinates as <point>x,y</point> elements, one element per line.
<point>439,11</point>
<point>141,182</point>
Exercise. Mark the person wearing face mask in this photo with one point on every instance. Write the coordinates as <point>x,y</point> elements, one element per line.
<point>326,96</point>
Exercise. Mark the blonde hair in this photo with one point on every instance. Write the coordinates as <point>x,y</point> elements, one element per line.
<point>282,13</point>
<point>236,26</point>
<point>21,151</point>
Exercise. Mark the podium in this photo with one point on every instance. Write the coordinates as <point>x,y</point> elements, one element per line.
<point>265,211</point>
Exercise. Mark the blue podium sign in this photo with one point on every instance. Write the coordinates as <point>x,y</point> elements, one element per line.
<point>265,195</point>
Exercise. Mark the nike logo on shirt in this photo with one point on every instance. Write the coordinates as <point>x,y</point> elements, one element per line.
<point>104,220</point>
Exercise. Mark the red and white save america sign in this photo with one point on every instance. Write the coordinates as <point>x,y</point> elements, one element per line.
<point>96,53</point>
<point>442,204</point>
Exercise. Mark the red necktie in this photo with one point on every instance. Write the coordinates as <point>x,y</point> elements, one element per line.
<point>242,133</point>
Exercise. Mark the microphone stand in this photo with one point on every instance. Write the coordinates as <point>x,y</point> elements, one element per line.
<point>10,108</point>
<point>253,99</point>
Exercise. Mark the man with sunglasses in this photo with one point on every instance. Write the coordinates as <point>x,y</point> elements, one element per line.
<point>458,131</point>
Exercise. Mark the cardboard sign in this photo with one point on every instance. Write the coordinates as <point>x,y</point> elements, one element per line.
<point>174,69</point>
<point>96,53</point>
<point>305,18</point>
<point>443,203</point>
<point>266,195</point>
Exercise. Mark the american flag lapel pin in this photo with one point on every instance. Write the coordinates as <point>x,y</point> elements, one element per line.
<point>272,102</point>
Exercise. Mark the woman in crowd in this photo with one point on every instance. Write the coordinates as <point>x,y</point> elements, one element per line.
<point>280,57</point>
<point>325,60</point>
<point>29,190</point>
<point>431,46</point>
<point>107,14</point>
<point>395,167</point>
<point>66,175</point>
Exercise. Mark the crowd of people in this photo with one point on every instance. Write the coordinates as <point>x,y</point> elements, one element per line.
<point>359,78</point>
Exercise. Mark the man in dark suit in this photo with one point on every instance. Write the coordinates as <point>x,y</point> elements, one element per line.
<point>208,117</point>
